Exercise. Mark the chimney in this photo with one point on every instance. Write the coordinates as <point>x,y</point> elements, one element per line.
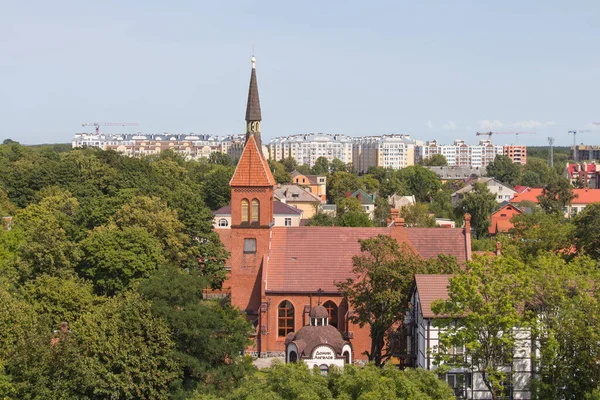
<point>468,235</point>
<point>359,196</point>
<point>399,222</point>
<point>394,213</point>
<point>498,248</point>
<point>348,194</point>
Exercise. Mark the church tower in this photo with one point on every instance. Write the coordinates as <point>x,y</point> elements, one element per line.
<point>252,187</point>
<point>253,116</point>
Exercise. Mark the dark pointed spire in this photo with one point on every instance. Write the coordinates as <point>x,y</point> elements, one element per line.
<point>253,106</point>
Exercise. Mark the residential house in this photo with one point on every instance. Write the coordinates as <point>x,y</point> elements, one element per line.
<point>316,184</point>
<point>583,197</point>
<point>367,200</point>
<point>302,199</point>
<point>457,173</point>
<point>396,201</point>
<point>501,219</point>
<point>583,175</point>
<point>501,191</point>
<point>420,342</point>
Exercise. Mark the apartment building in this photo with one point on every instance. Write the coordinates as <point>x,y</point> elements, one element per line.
<point>306,148</point>
<point>585,153</point>
<point>460,154</point>
<point>516,153</point>
<point>388,151</point>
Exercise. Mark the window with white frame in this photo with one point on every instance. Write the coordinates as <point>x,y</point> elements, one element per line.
<point>287,222</point>
<point>223,222</point>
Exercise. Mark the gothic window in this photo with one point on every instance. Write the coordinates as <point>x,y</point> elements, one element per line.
<point>285,318</point>
<point>332,312</point>
<point>255,210</point>
<point>245,210</point>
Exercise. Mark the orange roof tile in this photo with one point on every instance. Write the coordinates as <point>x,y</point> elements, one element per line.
<point>252,169</point>
<point>582,196</point>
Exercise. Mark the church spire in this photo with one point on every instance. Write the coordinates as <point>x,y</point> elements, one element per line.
<point>253,116</point>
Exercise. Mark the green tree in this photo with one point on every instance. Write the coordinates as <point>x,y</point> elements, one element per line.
<point>290,164</point>
<point>587,231</point>
<point>215,187</point>
<point>119,350</point>
<point>436,160</point>
<point>208,335</point>
<point>341,183</point>
<point>536,173</point>
<point>419,181</point>
<point>503,169</point>
<point>482,315</point>
<point>350,212</point>
<point>417,215</point>
<point>480,203</point>
<point>338,165</point>
<point>538,233</point>
<point>321,219</point>
<point>384,272</point>
<point>113,258</point>
<point>221,159</point>
<point>280,173</point>
<point>556,195</point>
<point>321,166</point>
<point>382,211</point>
<point>369,183</point>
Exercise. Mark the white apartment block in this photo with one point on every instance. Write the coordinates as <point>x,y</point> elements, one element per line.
<point>460,154</point>
<point>191,146</point>
<point>388,151</point>
<point>306,148</point>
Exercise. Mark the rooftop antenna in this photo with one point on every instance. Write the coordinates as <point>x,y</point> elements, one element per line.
<point>551,151</point>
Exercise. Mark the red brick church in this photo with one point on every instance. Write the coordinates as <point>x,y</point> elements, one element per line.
<point>277,274</point>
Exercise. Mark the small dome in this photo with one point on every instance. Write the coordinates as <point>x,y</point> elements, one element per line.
<point>318,311</point>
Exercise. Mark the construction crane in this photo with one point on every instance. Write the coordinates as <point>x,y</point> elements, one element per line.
<point>490,133</point>
<point>99,124</point>
<point>574,132</point>
<point>551,151</point>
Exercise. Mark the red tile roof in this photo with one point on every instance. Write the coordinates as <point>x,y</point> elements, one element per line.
<point>431,288</point>
<point>431,242</point>
<point>520,188</point>
<point>252,169</point>
<point>582,196</point>
<point>574,169</point>
<point>304,259</point>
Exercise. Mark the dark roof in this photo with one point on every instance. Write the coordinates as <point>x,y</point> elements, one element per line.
<point>308,337</point>
<point>364,197</point>
<point>252,168</point>
<point>279,208</point>
<point>318,311</point>
<point>253,106</point>
<point>305,258</point>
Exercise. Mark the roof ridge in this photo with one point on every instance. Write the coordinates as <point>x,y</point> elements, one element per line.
<point>245,174</point>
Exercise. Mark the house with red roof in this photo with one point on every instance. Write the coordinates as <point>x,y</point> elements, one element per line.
<point>583,175</point>
<point>583,197</point>
<point>277,274</point>
<point>421,334</point>
<point>501,219</point>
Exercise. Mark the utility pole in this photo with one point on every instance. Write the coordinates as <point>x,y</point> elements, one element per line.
<point>551,152</point>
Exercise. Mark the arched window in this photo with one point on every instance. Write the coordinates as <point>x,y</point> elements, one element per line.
<point>223,222</point>
<point>245,210</point>
<point>255,210</point>
<point>293,356</point>
<point>346,357</point>
<point>324,368</point>
<point>285,318</point>
<point>332,311</point>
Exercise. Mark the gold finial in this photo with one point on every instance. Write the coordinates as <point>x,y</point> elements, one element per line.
<point>253,59</point>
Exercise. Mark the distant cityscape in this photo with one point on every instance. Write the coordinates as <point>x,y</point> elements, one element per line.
<point>388,151</point>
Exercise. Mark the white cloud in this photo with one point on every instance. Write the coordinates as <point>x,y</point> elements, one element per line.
<point>531,124</point>
<point>430,124</point>
<point>450,126</point>
<point>488,125</point>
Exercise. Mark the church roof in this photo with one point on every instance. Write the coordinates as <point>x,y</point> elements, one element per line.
<point>253,106</point>
<point>305,258</point>
<point>252,169</point>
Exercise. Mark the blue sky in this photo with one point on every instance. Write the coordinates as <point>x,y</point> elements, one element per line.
<point>432,69</point>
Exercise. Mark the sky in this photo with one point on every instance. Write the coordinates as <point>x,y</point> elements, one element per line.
<point>432,69</point>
